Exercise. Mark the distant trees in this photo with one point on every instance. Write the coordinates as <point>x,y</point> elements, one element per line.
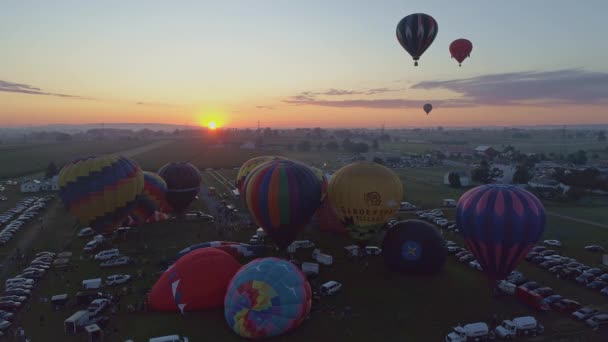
<point>332,146</point>
<point>375,145</point>
<point>454,180</point>
<point>485,174</point>
<point>378,160</point>
<point>578,158</point>
<point>290,147</point>
<point>601,136</point>
<point>63,137</point>
<point>304,146</point>
<point>522,174</point>
<point>319,147</point>
<point>51,170</point>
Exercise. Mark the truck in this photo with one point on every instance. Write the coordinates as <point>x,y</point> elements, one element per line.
<point>532,299</point>
<point>322,258</point>
<point>469,332</point>
<point>519,326</point>
<point>310,268</point>
<point>90,284</point>
<point>74,322</point>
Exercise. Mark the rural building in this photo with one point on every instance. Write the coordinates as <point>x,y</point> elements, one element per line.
<point>30,186</point>
<point>249,145</point>
<point>465,180</point>
<point>50,184</point>
<point>486,151</point>
<point>457,152</point>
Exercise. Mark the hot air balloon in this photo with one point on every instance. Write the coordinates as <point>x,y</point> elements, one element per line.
<point>416,33</point>
<point>461,49</point>
<point>365,195</point>
<point>183,184</point>
<point>324,182</point>
<point>500,224</point>
<point>151,199</point>
<point>100,191</point>
<point>249,165</point>
<point>282,196</point>
<point>197,281</point>
<point>267,297</point>
<point>328,220</point>
<point>236,249</point>
<point>414,246</point>
<point>427,108</point>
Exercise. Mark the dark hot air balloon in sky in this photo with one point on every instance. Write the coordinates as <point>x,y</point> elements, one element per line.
<point>427,108</point>
<point>183,184</point>
<point>500,225</point>
<point>416,33</point>
<point>461,49</point>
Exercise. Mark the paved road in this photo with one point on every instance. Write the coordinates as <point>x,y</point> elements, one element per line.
<point>574,219</point>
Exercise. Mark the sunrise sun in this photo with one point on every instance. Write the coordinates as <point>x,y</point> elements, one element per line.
<point>212,125</point>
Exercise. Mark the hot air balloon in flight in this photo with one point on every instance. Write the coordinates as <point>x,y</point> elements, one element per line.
<point>416,33</point>
<point>183,184</point>
<point>267,297</point>
<point>500,225</point>
<point>282,196</point>
<point>249,165</point>
<point>461,49</point>
<point>197,281</point>
<point>365,196</point>
<point>100,191</point>
<point>427,108</point>
<point>151,199</point>
<point>415,247</point>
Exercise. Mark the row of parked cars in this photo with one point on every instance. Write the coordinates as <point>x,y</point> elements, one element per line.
<point>436,216</point>
<point>23,212</point>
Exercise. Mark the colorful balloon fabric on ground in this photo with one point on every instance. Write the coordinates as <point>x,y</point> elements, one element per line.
<point>500,225</point>
<point>183,184</point>
<point>197,281</point>
<point>282,196</point>
<point>151,199</point>
<point>461,49</point>
<point>365,196</point>
<point>415,247</point>
<point>100,191</point>
<point>249,165</point>
<point>267,297</point>
<point>328,220</point>
<point>416,33</point>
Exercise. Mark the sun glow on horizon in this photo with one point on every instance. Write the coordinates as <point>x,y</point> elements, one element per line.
<point>212,125</point>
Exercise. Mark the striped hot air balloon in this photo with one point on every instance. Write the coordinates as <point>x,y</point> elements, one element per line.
<point>249,165</point>
<point>183,184</point>
<point>100,191</point>
<point>282,196</point>
<point>500,224</point>
<point>151,199</point>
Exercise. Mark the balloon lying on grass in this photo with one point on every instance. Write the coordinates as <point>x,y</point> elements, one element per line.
<point>100,191</point>
<point>183,184</point>
<point>415,247</point>
<point>282,196</point>
<point>267,297</point>
<point>365,196</point>
<point>249,165</point>
<point>151,199</point>
<point>197,281</point>
<point>500,225</point>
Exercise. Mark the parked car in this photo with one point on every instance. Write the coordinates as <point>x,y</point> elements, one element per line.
<point>9,305</point>
<point>604,291</point>
<point>603,277</point>
<point>544,291</point>
<point>84,232</point>
<point>594,271</point>
<point>547,252</point>
<point>583,268</point>
<point>475,264</point>
<point>330,288</point>
<point>32,274</point>
<point>20,287</point>
<point>585,278</point>
<point>97,306</point>
<point>92,245</point>
<point>107,254</point>
<point>596,285</point>
<point>7,316</point>
<point>584,313</point>
<point>574,264</point>
<point>553,243</point>
<point>565,306</point>
<point>116,279</point>
<point>17,292</point>
<point>556,269</point>
<point>123,260</point>
<point>454,249</point>
<point>13,298</point>
<point>538,259</point>
<point>531,256</point>
<point>466,258</point>
<point>549,263</point>
<point>462,253</point>
<point>552,299</point>
<point>594,248</point>
<point>86,297</point>
<point>597,320</point>
<point>531,285</point>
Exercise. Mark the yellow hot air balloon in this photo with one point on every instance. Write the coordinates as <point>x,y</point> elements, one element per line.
<point>249,165</point>
<point>366,196</point>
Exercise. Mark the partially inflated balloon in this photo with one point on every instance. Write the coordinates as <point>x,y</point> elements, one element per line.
<point>197,281</point>
<point>414,246</point>
<point>328,220</point>
<point>416,33</point>
<point>101,190</point>
<point>267,297</point>
<point>461,49</point>
<point>366,196</point>
<point>500,225</point>
<point>183,184</point>
<point>151,199</point>
<point>427,108</point>
<point>282,196</point>
<point>249,165</point>
<point>324,183</point>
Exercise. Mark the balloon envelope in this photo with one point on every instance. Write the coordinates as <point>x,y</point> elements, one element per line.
<point>249,165</point>
<point>365,196</point>
<point>267,297</point>
<point>500,224</point>
<point>151,199</point>
<point>414,246</point>
<point>324,182</point>
<point>100,191</point>
<point>427,108</point>
<point>461,49</point>
<point>328,220</point>
<point>416,33</point>
<point>196,281</point>
<point>183,184</point>
<point>282,196</point>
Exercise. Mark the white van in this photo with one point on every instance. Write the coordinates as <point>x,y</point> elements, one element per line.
<point>330,288</point>
<point>311,268</point>
<point>91,284</point>
<point>322,258</point>
<point>169,338</point>
<point>107,254</point>
<point>78,319</point>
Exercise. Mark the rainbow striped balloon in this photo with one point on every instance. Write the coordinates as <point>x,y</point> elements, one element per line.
<point>151,199</point>
<point>249,165</point>
<point>282,196</point>
<point>100,190</point>
<point>267,297</point>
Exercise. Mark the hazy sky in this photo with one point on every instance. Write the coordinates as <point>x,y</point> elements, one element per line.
<point>300,63</point>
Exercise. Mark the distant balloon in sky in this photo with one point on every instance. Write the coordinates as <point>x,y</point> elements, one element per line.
<point>461,49</point>
<point>427,108</point>
<point>416,33</point>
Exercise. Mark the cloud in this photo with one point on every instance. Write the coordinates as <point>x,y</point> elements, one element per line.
<point>379,103</point>
<point>11,87</point>
<point>569,86</point>
<point>264,107</point>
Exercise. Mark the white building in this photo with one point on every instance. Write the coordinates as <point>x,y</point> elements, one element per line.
<point>465,180</point>
<point>249,145</point>
<point>30,186</point>
<point>50,184</point>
